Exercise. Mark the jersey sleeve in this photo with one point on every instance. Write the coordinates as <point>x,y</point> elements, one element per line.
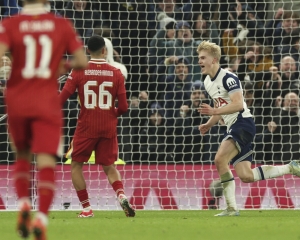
<point>4,34</point>
<point>71,83</point>
<point>73,41</point>
<point>231,83</point>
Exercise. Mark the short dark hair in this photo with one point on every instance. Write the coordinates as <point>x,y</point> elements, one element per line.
<point>95,43</point>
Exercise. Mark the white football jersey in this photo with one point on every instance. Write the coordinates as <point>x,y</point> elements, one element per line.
<point>220,87</point>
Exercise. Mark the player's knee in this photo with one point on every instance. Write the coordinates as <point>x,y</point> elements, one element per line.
<point>76,166</point>
<point>218,161</point>
<point>108,169</point>
<point>247,178</point>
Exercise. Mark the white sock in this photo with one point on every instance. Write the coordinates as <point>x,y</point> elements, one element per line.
<point>23,200</point>
<point>87,209</point>
<point>267,172</point>
<point>43,217</point>
<point>228,184</point>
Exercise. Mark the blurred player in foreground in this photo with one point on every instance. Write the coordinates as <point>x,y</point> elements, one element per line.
<point>37,41</point>
<point>98,88</point>
<point>226,91</point>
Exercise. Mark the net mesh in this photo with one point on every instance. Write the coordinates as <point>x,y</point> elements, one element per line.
<point>169,165</point>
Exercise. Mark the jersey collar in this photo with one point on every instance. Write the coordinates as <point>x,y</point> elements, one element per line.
<point>98,60</point>
<point>34,9</point>
<point>214,78</point>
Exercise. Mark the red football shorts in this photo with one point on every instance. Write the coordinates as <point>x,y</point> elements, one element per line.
<point>106,150</point>
<point>39,134</point>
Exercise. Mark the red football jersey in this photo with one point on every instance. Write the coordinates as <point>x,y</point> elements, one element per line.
<point>98,87</point>
<point>37,41</point>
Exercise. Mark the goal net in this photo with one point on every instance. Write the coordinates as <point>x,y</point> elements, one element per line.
<point>164,161</point>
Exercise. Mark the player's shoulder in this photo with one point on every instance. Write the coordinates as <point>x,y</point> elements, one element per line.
<point>230,80</point>
<point>9,20</point>
<point>112,67</point>
<point>228,75</point>
<point>116,70</point>
<point>75,72</point>
<point>207,78</point>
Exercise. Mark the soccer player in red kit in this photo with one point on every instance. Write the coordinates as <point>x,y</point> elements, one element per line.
<point>98,87</point>
<point>37,41</point>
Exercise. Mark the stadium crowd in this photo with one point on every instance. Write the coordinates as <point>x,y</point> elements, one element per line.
<point>154,43</point>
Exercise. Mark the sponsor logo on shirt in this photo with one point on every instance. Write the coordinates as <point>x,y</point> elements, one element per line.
<point>220,102</point>
<point>231,83</point>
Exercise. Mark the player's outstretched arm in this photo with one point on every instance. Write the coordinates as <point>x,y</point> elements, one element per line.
<point>204,128</point>
<point>64,95</point>
<point>69,87</point>
<point>213,120</point>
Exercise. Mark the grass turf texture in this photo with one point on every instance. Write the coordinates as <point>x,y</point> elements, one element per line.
<point>157,225</point>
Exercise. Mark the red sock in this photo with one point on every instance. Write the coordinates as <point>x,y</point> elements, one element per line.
<point>45,190</point>
<point>83,197</point>
<point>22,177</point>
<point>118,187</point>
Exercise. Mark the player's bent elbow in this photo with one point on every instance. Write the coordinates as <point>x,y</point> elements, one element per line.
<point>121,111</point>
<point>240,107</point>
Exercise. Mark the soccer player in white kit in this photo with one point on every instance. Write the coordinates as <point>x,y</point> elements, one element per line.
<point>225,89</point>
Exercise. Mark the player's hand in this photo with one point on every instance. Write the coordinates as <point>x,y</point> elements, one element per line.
<point>272,126</point>
<point>205,109</point>
<point>204,128</point>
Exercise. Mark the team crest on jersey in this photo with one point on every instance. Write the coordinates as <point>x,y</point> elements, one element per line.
<point>231,83</point>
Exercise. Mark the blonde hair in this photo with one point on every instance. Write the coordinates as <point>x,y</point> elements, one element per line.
<point>212,48</point>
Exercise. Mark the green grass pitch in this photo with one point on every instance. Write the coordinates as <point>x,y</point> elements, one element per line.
<point>165,225</point>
